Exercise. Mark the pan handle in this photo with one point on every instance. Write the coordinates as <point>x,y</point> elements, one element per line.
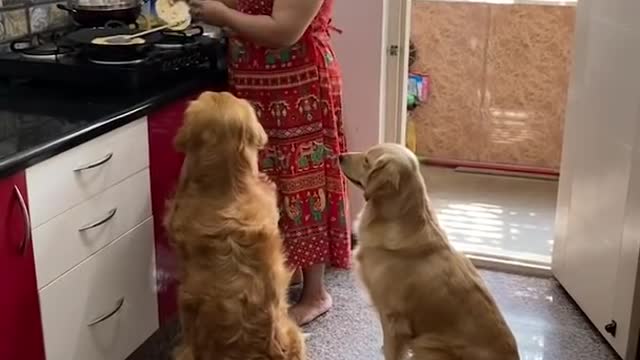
<point>15,48</point>
<point>67,9</point>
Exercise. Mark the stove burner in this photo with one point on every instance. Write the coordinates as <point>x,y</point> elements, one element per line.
<point>46,51</point>
<point>116,62</point>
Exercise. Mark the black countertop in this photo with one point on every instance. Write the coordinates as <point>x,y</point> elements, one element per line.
<point>40,121</point>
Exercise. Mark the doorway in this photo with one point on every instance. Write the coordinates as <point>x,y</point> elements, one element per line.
<point>490,157</point>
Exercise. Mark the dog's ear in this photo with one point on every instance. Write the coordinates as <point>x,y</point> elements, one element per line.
<point>382,177</point>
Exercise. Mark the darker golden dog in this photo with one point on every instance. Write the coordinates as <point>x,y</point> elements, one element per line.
<point>223,222</point>
<point>430,298</point>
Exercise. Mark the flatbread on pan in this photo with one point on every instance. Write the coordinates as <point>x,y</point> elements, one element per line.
<point>114,40</point>
<point>174,12</point>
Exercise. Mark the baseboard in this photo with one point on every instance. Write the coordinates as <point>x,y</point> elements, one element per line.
<point>510,266</point>
<point>490,166</point>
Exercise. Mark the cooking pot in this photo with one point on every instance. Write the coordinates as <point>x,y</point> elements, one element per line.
<point>96,13</point>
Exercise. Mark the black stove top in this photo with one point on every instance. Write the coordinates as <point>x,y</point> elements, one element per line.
<point>169,56</point>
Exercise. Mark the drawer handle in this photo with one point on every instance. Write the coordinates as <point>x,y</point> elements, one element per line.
<point>94,164</point>
<point>108,315</point>
<point>97,223</point>
<point>26,220</point>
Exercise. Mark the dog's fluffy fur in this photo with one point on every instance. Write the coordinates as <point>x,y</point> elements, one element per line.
<point>223,223</point>
<point>430,298</point>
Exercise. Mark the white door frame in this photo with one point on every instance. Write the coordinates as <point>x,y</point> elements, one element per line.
<point>395,63</point>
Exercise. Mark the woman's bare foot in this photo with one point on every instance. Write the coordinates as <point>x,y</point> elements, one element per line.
<point>315,301</point>
<point>308,310</point>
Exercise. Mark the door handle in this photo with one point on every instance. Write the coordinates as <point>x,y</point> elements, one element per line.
<point>108,315</point>
<point>26,218</point>
<point>611,328</point>
<point>97,223</point>
<point>94,164</point>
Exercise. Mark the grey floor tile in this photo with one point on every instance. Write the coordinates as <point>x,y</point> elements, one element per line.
<point>546,323</point>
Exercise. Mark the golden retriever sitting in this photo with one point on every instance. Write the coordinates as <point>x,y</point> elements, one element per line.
<point>223,222</point>
<point>430,299</point>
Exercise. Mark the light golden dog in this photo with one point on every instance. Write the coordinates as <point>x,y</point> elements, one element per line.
<point>430,299</point>
<point>223,222</point>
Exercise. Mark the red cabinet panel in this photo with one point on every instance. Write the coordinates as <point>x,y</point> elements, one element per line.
<point>165,165</point>
<point>20,324</point>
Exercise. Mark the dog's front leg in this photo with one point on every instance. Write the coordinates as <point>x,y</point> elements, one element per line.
<point>394,337</point>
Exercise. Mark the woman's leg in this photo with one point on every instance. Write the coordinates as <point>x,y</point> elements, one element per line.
<point>315,299</point>
<point>296,279</point>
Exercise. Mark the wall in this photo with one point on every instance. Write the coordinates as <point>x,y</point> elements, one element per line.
<point>359,51</point>
<point>22,17</point>
<point>596,247</point>
<point>499,79</point>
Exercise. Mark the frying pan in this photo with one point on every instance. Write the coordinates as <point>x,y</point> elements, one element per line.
<point>126,52</point>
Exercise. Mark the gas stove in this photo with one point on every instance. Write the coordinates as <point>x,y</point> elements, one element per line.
<point>171,57</point>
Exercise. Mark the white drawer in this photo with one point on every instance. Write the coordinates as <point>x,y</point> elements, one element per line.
<point>58,184</point>
<point>71,237</point>
<point>114,290</point>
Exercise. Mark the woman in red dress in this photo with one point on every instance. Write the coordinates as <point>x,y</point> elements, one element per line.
<point>281,60</point>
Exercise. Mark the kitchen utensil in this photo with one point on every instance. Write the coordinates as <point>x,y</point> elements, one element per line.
<point>98,16</point>
<point>104,4</point>
<point>135,39</point>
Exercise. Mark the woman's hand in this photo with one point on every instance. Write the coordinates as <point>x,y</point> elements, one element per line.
<point>285,25</point>
<point>212,12</point>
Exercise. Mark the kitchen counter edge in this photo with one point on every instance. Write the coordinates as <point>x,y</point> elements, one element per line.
<point>24,159</point>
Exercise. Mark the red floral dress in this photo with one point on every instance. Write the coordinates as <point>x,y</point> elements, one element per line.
<point>297,94</point>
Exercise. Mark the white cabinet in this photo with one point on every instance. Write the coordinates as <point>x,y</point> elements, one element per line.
<point>597,244</point>
<point>106,307</point>
<point>94,246</point>
<point>74,176</point>
<point>66,240</point>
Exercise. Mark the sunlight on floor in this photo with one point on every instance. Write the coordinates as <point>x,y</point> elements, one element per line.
<point>493,215</point>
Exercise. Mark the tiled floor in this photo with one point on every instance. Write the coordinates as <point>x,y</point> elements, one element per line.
<point>507,216</point>
<point>504,216</point>
<point>546,323</point>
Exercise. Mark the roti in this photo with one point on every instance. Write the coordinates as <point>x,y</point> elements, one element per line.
<point>113,40</point>
<point>174,12</point>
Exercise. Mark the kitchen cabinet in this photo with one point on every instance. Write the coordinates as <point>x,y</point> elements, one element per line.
<point>20,325</point>
<point>102,191</point>
<point>165,164</point>
<point>116,295</point>
<point>93,246</point>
